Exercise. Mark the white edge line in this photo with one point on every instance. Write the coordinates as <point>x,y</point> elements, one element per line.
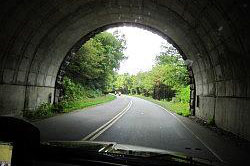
<point>106,124</point>
<point>217,156</point>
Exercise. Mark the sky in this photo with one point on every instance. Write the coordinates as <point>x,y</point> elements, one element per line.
<point>142,47</point>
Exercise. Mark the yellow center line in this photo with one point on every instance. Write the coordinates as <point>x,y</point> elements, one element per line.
<point>107,125</point>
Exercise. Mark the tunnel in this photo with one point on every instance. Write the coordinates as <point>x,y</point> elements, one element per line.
<point>37,38</point>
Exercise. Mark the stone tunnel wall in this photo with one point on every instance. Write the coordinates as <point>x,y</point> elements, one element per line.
<point>37,35</point>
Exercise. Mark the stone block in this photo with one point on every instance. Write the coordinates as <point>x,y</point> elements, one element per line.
<point>214,55</point>
<point>38,95</point>
<point>40,79</point>
<point>11,62</point>
<point>206,109</point>
<point>248,88</point>
<point>204,76</point>
<point>229,88</point>
<point>32,78</point>
<point>240,88</point>
<point>218,73</point>
<point>48,80</point>
<point>205,89</point>
<point>232,114</point>
<point>11,99</point>
<point>24,66</point>
<point>211,89</point>
<point>8,76</point>
<point>199,90</point>
<point>221,88</point>
<point>21,77</point>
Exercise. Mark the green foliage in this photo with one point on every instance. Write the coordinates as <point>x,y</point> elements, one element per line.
<point>94,64</point>
<point>167,78</point>
<point>177,107</point>
<point>79,104</point>
<point>183,95</point>
<point>72,91</point>
<point>43,111</point>
<point>91,69</point>
<point>211,121</point>
<point>123,83</point>
<point>88,76</point>
<point>76,91</point>
<point>173,70</point>
<point>169,55</point>
<point>46,110</point>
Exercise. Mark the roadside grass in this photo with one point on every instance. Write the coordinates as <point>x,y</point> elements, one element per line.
<point>73,105</point>
<point>46,110</point>
<point>177,107</point>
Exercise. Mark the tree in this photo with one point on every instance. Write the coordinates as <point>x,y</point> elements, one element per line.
<point>123,83</point>
<point>168,77</point>
<point>169,55</point>
<point>94,64</point>
<point>175,70</point>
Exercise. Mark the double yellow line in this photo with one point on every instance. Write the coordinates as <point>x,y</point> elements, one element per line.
<point>92,136</point>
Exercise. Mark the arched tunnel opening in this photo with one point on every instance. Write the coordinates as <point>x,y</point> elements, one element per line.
<point>39,37</point>
<point>59,94</point>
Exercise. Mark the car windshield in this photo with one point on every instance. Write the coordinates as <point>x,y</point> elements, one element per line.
<point>125,78</point>
<point>141,108</point>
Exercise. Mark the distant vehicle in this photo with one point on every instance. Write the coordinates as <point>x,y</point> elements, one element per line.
<point>118,93</point>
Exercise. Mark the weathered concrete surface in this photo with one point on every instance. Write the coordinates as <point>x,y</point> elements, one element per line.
<point>36,36</point>
<point>12,99</point>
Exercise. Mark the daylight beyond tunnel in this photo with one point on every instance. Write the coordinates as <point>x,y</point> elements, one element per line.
<point>36,37</point>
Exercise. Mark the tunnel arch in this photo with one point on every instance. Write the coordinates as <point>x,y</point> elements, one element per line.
<point>213,34</point>
<point>58,94</point>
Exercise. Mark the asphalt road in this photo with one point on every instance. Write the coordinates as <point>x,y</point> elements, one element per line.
<point>126,120</point>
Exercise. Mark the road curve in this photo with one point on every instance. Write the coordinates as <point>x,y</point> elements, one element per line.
<point>143,124</point>
<point>76,125</point>
<point>147,124</point>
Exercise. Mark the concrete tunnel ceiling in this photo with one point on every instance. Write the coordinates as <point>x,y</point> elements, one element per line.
<point>37,35</point>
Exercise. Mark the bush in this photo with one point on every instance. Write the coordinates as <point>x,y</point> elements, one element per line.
<point>177,107</point>
<point>180,108</point>
<point>76,91</point>
<point>44,110</point>
<point>183,95</point>
<point>72,91</point>
<point>58,108</point>
<point>211,121</point>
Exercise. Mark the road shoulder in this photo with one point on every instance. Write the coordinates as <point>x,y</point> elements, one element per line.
<point>223,147</point>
